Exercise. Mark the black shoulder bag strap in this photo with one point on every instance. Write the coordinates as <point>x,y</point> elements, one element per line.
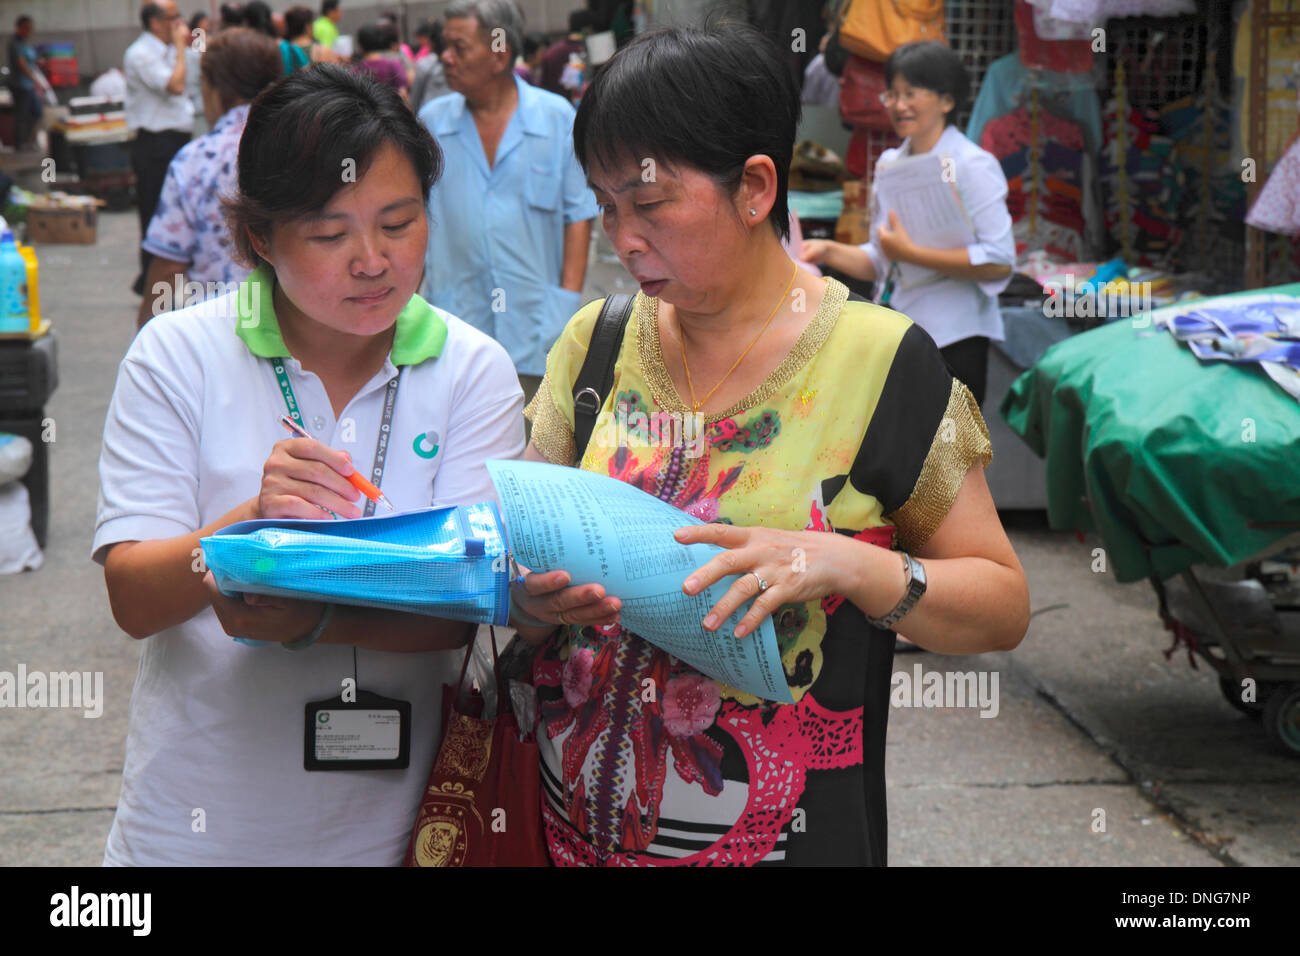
<point>597,375</point>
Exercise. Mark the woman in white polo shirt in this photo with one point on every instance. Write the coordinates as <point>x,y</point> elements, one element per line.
<point>334,175</point>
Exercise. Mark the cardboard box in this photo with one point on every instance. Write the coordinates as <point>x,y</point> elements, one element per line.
<point>68,224</point>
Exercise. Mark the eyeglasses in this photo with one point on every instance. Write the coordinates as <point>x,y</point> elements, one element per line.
<point>889,97</point>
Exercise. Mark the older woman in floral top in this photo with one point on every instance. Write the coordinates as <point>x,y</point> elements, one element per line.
<point>187,235</point>
<point>838,450</point>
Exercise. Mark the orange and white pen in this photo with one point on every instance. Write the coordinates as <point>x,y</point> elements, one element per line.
<point>357,479</point>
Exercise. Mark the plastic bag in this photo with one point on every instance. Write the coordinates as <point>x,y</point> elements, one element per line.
<point>18,548</point>
<point>15,457</point>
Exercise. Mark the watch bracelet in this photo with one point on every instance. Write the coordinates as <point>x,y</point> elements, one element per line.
<point>905,603</point>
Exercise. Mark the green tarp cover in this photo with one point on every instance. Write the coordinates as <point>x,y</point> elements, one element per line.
<point>1171,461</point>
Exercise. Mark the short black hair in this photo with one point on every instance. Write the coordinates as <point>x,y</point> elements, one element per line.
<point>707,97</point>
<point>257,16</point>
<point>301,134</point>
<point>435,37</point>
<point>580,21</point>
<point>532,43</point>
<point>328,6</point>
<point>374,37</point>
<point>196,20</point>
<point>22,20</point>
<point>931,66</point>
<point>150,11</point>
<point>297,21</point>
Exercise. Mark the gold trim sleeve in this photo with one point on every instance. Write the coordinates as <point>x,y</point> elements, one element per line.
<point>552,432</point>
<point>961,440</point>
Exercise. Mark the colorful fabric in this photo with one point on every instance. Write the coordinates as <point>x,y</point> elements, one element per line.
<point>1043,159</point>
<point>845,436</point>
<point>1140,183</point>
<point>1006,86</point>
<point>188,225</point>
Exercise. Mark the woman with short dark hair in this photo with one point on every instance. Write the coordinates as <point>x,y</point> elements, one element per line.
<point>299,47</point>
<point>954,292</point>
<point>378,59</point>
<point>333,181</point>
<point>807,414</point>
<point>257,16</point>
<point>232,15</point>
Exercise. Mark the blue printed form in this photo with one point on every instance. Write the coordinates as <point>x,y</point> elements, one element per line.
<point>604,531</point>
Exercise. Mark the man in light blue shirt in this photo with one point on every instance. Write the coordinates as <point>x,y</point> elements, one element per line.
<point>512,213</point>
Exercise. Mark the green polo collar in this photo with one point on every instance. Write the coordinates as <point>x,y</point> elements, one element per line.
<point>420,332</point>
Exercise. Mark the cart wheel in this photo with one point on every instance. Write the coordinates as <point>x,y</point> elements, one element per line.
<point>1232,694</point>
<point>1282,718</point>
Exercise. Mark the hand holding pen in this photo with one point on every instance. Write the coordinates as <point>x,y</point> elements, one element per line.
<point>305,478</point>
<point>358,480</point>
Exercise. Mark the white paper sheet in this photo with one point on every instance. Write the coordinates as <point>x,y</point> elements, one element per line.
<point>604,531</point>
<point>922,191</point>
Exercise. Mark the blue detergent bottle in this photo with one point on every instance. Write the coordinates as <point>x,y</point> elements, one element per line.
<point>14,315</point>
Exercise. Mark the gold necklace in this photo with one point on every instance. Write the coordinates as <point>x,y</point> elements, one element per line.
<point>681,341</point>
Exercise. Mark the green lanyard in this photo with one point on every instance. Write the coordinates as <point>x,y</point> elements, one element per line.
<point>887,292</point>
<point>385,423</point>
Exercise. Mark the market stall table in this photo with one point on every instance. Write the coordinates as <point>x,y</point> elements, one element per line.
<point>1174,463</point>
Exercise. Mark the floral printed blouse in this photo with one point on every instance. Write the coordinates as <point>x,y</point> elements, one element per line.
<point>188,225</point>
<point>860,431</point>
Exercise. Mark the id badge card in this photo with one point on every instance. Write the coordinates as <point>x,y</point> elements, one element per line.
<point>370,733</point>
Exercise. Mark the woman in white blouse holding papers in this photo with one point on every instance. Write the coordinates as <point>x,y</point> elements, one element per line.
<point>957,305</point>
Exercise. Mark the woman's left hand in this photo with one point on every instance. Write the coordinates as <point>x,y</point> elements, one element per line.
<point>894,241</point>
<point>258,617</point>
<point>798,566</point>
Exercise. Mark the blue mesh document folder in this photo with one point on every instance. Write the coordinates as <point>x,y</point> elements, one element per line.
<point>444,562</point>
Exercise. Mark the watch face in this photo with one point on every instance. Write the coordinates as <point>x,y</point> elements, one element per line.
<point>917,585</point>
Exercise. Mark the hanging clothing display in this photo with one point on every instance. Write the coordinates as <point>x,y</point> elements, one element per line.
<point>1138,180</point>
<point>1005,83</point>
<point>1063,56</point>
<point>1043,158</point>
<point>1210,199</point>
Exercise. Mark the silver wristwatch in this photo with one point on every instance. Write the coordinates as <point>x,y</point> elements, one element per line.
<point>915,588</point>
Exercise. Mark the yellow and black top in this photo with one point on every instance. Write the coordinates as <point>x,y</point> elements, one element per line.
<point>861,430</point>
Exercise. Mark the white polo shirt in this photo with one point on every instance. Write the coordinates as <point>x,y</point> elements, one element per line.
<point>218,726</point>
